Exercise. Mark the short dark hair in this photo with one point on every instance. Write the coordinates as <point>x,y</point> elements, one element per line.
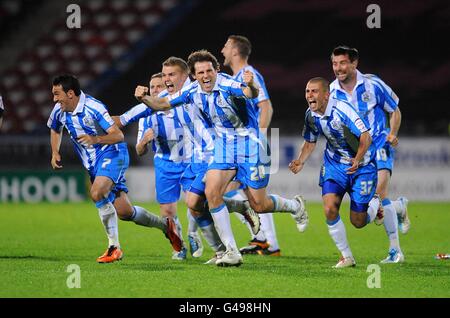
<point>156,75</point>
<point>176,61</point>
<point>352,53</point>
<point>201,56</point>
<point>243,45</point>
<point>68,82</point>
<point>324,82</point>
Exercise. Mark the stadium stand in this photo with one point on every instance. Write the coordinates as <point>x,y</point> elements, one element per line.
<point>122,42</point>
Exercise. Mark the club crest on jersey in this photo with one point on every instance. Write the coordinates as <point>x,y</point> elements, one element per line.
<point>219,101</point>
<point>88,121</point>
<point>365,97</point>
<point>335,123</point>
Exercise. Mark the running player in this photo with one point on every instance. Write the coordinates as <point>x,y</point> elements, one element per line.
<point>236,52</point>
<point>237,145</point>
<point>349,163</point>
<point>372,99</point>
<point>99,144</point>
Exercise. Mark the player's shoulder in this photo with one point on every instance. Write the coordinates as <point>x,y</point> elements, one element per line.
<point>341,104</point>
<point>188,88</point>
<point>56,111</point>
<point>224,77</point>
<point>94,103</point>
<point>373,79</point>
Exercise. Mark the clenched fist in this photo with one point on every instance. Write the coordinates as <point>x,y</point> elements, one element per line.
<point>140,92</point>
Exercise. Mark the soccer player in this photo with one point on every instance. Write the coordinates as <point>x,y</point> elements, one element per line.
<point>372,99</point>
<point>195,136</point>
<point>237,145</point>
<point>172,151</point>
<point>236,52</point>
<point>99,144</point>
<point>2,109</point>
<point>349,162</point>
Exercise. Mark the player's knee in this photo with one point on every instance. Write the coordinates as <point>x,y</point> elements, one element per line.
<point>331,212</point>
<point>358,222</point>
<point>213,195</point>
<point>194,205</point>
<point>97,194</point>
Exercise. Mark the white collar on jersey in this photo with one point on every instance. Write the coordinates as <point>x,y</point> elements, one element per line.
<point>80,104</point>
<point>335,86</point>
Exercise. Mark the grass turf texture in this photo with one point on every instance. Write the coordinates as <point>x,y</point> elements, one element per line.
<point>38,243</point>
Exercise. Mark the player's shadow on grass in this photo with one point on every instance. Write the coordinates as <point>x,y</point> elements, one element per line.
<point>30,257</point>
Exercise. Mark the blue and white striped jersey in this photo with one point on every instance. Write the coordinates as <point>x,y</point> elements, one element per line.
<point>169,142</point>
<point>342,126</point>
<point>197,142</point>
<point>228,110</point>
<point>198,130</point>
<point>222,106</point>
<point>90,117</point>
<point>135,113</point>
<point>259,81</point>
<point>372,98</point>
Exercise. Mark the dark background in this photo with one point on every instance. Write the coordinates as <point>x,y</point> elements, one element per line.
<point>292,42</point>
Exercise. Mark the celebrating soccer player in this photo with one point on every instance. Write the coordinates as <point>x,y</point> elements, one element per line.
<point>99,144</point>
<point>237,145</point>
<point>236,52</point>
<point>349,162</point>
<point>372,99</point>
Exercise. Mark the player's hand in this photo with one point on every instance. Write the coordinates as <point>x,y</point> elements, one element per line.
<point>56,161</point>
<point>149,135</point>
<point>295,166</point>
<point>88,140</point>
<point>354,167</point>
<point>140,92</point>
<point>392,139</point>
<point>247,78</point>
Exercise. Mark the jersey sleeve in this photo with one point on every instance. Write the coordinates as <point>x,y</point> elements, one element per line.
<point>134,114</point>
<point>351,119</point>
<point>385,95</point>
<point>263,94</point>
<point>185,97</point>
<point>102,116</point>
<point>310,131</point>
<point>54,121</point>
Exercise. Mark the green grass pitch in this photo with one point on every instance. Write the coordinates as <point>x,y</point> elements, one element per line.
<point>39,242</point>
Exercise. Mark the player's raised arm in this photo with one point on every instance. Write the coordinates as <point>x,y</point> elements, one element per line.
<point>55,143</point>
<point>154,103</point>
<point>365,140</point>
<point>251,91</point>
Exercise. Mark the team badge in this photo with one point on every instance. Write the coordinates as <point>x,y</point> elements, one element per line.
<point>335,123</point>
<point>219,101</point>
<point>88,121</point>
<point>365,97</point>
